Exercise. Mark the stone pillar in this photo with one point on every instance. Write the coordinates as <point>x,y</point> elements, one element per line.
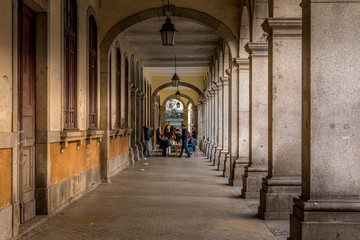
<point>211,122</point>
<point>219,125</point>
<point>162,116</point>
<point>233,120</point>
<point>237,173</point>
<point>196,118</point>
<point>216,125</point>
<point>283,182</point>
<point>186,117</point>
<point>225,123</point>
<point>142,121</point>
<point>138,124</point>
<point>258,159</point>
<point>329,204</point>
<point>133,123</point>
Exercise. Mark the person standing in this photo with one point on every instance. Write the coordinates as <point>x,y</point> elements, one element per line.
<point>147,137</point>
<point>158,135</point>
<point>194,134</point>
<point>184,137</point>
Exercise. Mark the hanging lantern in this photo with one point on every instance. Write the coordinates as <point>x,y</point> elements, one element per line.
<point>175,79</point>
<point>168,31</point>
<point>177,94</point>
<point>178,105</point>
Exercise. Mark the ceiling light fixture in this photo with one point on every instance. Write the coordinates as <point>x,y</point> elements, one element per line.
<point>168,30</point>
<point>177,94</point>
<point>175,79</point>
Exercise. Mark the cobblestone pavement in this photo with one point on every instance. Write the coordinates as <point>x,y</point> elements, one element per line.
<point>162,198</point>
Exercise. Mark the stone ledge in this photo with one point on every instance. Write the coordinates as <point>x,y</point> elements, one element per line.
<point>332,205</point>
<point>282,181</point>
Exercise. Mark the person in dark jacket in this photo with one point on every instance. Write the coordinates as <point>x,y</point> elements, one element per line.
<point>194,134</point>
<point>184,137</point>
<point>147,137</point>
<point>158,135</point>
<point>164,145</point>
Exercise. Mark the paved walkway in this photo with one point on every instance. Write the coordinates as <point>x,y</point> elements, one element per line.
<point>161,198</point>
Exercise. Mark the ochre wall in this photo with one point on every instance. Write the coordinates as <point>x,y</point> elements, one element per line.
<point>5,177</point>
<point>72,161</point>
<point>118,146</point>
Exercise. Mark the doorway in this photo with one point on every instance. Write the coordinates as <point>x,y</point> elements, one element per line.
<point>26,125</point>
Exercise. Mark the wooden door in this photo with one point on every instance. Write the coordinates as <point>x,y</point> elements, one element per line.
<point>27,113</point>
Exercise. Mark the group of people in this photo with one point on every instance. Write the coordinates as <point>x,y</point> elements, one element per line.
<point>172,135</point>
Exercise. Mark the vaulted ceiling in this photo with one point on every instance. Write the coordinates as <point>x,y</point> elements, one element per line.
<point>194,48</point>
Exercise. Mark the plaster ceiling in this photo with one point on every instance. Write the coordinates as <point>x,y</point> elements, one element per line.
<point>194,48</point>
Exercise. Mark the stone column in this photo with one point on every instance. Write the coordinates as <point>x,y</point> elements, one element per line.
<point>329,204</point>
<point>233,121</point>
<point>237,174</point>
<point>196,118</point>
<point>142,120</point>
<point>258,159</point>
<point>219,125</point>
<point>138,124</point>
<point>162,117</point>
<point>215,125</point>
<point>211,122</point>
<point>283,182</point>
<point>186,117</point>
<point>225,123</point>
<point>133,123</point>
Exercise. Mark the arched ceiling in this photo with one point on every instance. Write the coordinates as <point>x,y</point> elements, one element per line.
<point>194,48</point>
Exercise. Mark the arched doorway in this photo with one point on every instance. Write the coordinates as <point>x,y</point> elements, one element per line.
<point>174,113</point>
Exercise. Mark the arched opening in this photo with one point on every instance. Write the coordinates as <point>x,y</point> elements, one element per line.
<point>174,112</point>
<point>190,122</point>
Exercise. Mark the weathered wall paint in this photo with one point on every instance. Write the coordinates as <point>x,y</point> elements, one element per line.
<point>72,161</point>
<point>118,146</point>
<point>5,177</point>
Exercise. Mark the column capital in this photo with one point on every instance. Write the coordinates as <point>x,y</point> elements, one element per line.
<point>212,92</point>
<point>142,95</point>
<point>243,63</point>
<point>225,80</point>
<point>138,94</point>
<point>283,27</point>
<point>257,49</point>
<point>134,89</point>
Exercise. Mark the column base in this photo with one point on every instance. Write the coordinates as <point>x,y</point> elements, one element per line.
<point>209,151</point>
<point>253,176</point>
<point>276,197</point>
<point>221,160</point>
<point>238,171</point>
<point>213,152</point>
<point>131,156</point>
<point>227,166</point>
<point>207,148</point>
<point>135,152</point>
<point>217,155</point>
<point>325,219</point>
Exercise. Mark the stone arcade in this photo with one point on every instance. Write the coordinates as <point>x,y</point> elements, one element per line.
<point>271,86</point>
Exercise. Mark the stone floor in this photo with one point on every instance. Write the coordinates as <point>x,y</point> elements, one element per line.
<point>160,198</point>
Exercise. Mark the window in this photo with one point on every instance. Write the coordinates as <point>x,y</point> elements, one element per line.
<point>118,88</point>
<point>92,73</point>
<point>126,92</point>
<point>70,37</point>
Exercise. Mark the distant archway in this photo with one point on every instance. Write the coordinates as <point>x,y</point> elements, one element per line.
<point>184,84</point>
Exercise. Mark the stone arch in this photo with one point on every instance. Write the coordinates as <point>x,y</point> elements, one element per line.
<point>156,91</point>
<point>181,95</point>
<point>192,14</point>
